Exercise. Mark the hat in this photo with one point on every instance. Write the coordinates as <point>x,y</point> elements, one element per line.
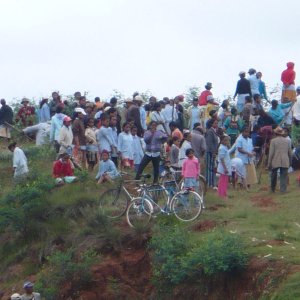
<point>80,110</point>
<point>15,296</point>
<point>241,73</point>
<point>128,100</point>
<point>138,98</point>
<point>28,284</point>
<point>210,98</point>
<point>25,100</point>
<point>208,84</point>
<point>67,119</point>
<point>107,108</point>
<point>279,131</point>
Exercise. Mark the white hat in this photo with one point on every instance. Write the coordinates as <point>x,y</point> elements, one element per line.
<point>241,73</point>
<point>128,100</point>
<point>80,110</point>
<point>15,296</point>
<point>107,108</point>
<point>138,98</point>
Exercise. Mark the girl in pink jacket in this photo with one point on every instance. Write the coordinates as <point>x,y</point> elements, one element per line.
<point>190,170</point>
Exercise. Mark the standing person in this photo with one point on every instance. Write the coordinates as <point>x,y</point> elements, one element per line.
<point>6,117</point>
<point>104,136</point>
<point>247,111</point>
<point>280,158</point>
<point>203,96</point>
<point>198,142</point>
<point>44,111</point>
<point>107,169</point>
<point>133,113</point>
<point>210,107</point>
<point>244,151</point>
<point>175,131</point>
<point>194,114</point>
<point>92,146</point>
<point>157,117</point>
<point>139,101</point>
<point>29,293</point>
<point>254,81</point>
<point>224,166</point>
<point>79,140</point>
<point>184,145</point>
<point>56,125</point>
<point>262,86</point>
<point>174,152</point>
<point>212,142</point>
<point>154,139</point>
<point>243,89</point>
<point>19,162</point>
<point>223,113</point>
<point>65,137</point>
<point>288,77</point>
<point>26,113</point>
<point>54,103</point>
<point>277,110</point>
<point>125,146</point>
<point>295,133</point>
<point>169,113</point>
<point>190,170</point>
<point>180,112</point>
<point>138,151</point>
<point>233,125</point>
<point>114,133</point>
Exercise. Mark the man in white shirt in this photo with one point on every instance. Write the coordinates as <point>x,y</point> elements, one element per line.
<point>169,113</point>
<point>254,82</point>
<point>296,106</point>
<point>29,294</point>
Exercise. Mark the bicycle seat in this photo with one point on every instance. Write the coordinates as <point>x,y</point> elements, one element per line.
<point>146,176</point>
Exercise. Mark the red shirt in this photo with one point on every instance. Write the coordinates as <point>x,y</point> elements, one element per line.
<point>61,169</point>
<point>288,75</point>
<point>203,97</point>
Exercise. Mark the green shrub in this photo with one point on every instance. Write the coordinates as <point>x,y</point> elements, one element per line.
<point>64,267</point>
<point>177,259</point>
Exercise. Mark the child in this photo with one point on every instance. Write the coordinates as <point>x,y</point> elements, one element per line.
<point>63,170</point>
<point>224,166</point>
<point>114,130</point>
<point>104,135</point>
<point>92,147</point>
<point>174,151</point>
<point>107,169</point>
<point>125,146</point>
<point>190,170</point>
<point>138,151</point>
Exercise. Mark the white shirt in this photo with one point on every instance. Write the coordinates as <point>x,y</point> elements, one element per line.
<point>169,113</point>
<point>158,117</point>
<point>105,139</point>
<point>254,84</point>
<point>125,145</point>
<point>138,152</point>
<point>181,157</point>
<point>42,131</point>
<point>296,109</point>
<point>19,162</point>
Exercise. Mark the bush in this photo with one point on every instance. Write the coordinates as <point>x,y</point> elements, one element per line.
<point>64,267</point>
<point>177,259</point>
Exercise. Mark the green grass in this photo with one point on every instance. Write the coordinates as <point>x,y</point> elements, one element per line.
<point>258,226</point>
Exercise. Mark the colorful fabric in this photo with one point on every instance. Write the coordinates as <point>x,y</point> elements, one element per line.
<point>190,168</point>
<point>223,185</point>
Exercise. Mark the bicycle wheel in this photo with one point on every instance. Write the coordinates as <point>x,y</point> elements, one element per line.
<point>186,205</point>
<point>139,212</point>
<point>159,195</point>
<point>200,189</point>
<point>114,203</point>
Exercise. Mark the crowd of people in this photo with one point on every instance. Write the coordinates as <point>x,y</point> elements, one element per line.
<point>225,139</point>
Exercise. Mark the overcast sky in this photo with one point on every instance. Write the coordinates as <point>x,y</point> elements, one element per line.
<point>135,45</point>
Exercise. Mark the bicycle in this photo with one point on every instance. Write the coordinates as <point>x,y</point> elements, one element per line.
<point>186,205</point>
<point>116,200</point>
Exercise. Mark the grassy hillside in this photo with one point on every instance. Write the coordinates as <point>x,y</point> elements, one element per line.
<point>243,248</point>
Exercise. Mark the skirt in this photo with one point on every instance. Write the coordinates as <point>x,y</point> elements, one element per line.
<point>251,177</point>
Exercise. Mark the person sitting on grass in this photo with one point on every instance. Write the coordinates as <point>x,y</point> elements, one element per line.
<point>107,169</point>
<point>63,170</point>
<point>190,170</point>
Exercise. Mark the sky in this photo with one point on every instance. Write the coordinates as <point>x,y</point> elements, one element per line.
<point>165,46</point>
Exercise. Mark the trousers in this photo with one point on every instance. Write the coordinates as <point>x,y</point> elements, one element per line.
<point>145,161</point>
<point>283,179</point>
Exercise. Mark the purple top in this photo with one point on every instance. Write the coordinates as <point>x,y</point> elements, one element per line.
<point>154,140</point>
